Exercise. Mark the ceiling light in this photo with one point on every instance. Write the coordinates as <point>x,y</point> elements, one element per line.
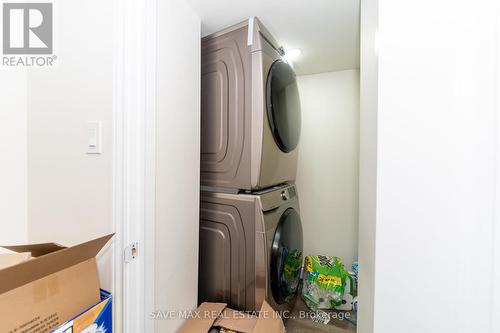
<point>292,54</point>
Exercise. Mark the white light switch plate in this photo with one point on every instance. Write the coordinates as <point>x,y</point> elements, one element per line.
<point>94,134</point>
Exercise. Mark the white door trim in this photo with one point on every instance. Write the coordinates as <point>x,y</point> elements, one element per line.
<point>369,23</point>
<point>134,167</point>
<point>496,223</point>
<point>151,70</point>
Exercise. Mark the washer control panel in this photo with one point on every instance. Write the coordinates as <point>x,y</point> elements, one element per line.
<point>284,195</point>
<point>273,198</point>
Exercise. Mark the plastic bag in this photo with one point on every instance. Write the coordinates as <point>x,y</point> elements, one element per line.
<point>324,283</point>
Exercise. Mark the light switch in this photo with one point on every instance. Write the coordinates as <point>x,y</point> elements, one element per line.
<point>94,137</point>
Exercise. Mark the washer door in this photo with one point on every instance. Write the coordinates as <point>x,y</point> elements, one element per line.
<point>286,257</point>
<point>283,106</point>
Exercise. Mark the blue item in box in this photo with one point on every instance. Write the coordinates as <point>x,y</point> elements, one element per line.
<point>96,319</point>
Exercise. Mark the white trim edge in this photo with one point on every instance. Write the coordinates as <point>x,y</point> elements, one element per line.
<point>251,21</point>
<point>151,70</point>
<point>134,167</point>
<point>495,325</point>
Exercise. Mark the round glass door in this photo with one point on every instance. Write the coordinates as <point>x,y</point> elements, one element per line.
<point>286,257</point>
<point>283,106</point>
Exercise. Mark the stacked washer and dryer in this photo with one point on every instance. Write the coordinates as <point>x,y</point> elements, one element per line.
<point>250,227</point>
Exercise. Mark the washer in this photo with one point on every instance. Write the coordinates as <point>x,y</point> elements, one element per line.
<point>248,246</point>
<point>250,110</point>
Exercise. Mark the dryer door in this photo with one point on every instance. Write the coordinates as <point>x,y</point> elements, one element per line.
<point>286,257</point>
<point>283,106</point>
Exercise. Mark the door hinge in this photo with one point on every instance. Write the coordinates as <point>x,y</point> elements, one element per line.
<point>131,252</point>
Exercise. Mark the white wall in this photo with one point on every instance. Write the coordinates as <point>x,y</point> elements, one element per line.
<point>178,160</point>
<point>13,150</point>
<point>70,192</point>
<point>327,176</point>
<point>436,162</point>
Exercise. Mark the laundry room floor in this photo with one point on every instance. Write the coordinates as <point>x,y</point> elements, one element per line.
<point>298,324</point>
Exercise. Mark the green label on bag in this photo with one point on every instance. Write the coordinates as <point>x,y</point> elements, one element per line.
<point>325,282</point>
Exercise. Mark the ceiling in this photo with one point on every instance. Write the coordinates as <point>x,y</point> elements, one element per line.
<point>327,31</point>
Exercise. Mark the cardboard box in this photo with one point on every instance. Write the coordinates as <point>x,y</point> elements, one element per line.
<point>41,291</point>
<point>210,315</point>
<point>11,259</point>
<point>98,318</point>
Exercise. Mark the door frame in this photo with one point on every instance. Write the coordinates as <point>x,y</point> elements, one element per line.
<point>496,227</point>
<point>134,163</point>
<point>368,164</point>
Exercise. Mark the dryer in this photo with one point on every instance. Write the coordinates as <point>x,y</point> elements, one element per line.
<point>250,248</point>
<point>250,110</point>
